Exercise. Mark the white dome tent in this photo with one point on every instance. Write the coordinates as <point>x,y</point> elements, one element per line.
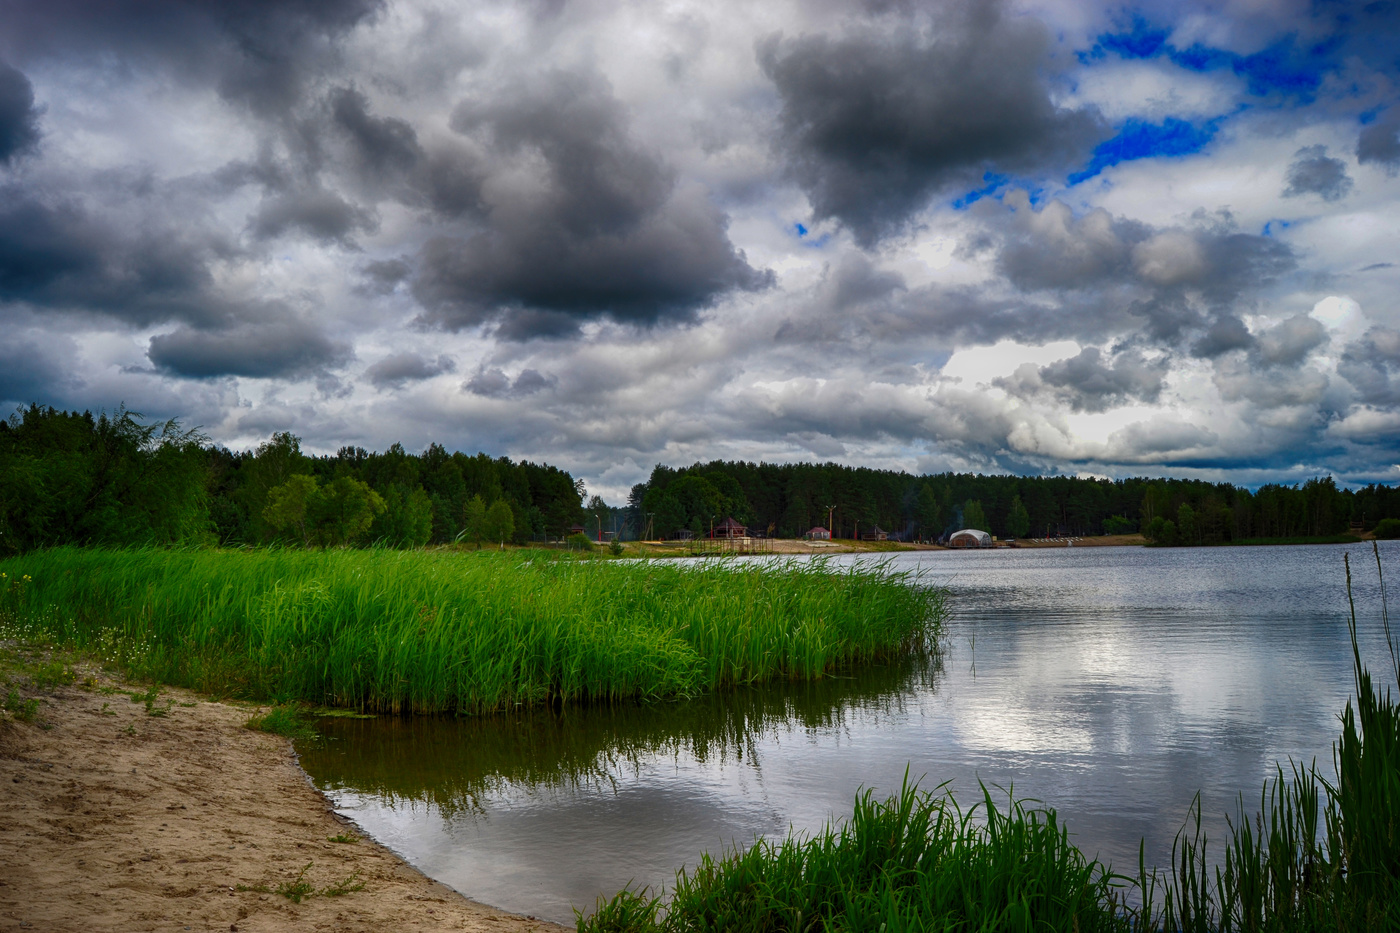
<point>969,537</point>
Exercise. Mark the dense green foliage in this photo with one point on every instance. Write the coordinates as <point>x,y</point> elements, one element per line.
<point>68,478</point>
<point>107,480</point>
<point>787,499</point>
<point>465,632</point>
<point>1317,856</point>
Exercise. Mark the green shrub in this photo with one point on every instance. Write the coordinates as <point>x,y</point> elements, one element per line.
<point>579,542</point>
<point>1388,528</point>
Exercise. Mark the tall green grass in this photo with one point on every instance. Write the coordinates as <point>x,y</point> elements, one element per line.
<point>1317,855</point>
<point>426,631</point>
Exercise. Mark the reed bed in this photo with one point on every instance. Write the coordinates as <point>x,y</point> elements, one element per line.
<point>435,631</point>
<point>1318,855</point>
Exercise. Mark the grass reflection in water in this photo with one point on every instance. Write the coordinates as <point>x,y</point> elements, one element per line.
<point>453,764</point>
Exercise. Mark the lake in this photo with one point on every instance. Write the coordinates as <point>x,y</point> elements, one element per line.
<point>1110,683</point>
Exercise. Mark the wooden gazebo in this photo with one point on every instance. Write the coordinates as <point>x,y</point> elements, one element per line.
<point>729,528</point>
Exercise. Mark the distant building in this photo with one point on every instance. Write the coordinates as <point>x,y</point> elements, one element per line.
<point>969,537</point>
<point>875,534</point>
<point>818,534</point>
<point>683,534</point>
<point>729,528</point>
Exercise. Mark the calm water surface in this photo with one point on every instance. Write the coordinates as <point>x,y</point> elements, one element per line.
<point>1109,683</point>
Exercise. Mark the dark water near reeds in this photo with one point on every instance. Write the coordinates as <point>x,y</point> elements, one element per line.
<point>1110,683</point>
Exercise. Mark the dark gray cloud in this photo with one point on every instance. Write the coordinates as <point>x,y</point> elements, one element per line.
<point>605,231</point>
<point>57,254</point>
<point>1289,342</point>
<point>1313,172</point>
<point>1372,366</point>
<point>1099,272</point>
<point>19,118</point>
<point>382,276</point>
<point>1226,334</point>
<point>262,53</point>
<point>384,147</point>
<point>402,368</point>
<point>30,369</point>
<point>288,348</point>
<point>1053,249</point>
<point>318,213</point>
<point>873,124</point>
<point>1379,142</point>
<point>494,383</point>
<point>1091,382</point>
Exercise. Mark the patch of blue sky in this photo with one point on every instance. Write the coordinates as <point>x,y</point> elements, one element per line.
<point>1138,139</point>
<point>1274,226</point>
<point>993,187</point>
<point>1143,40</point>
<point>1284,67</point>
<point>804,234</point>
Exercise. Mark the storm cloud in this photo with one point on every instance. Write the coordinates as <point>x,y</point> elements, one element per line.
<point>260,53</point>
<point>877,121</point>
<point>1091,382</point>
<point>402,368</point>
<point>19,118</point>
<point>1313,172</point>
<point>597,225</point>
<point>968,235</point>
<point>1379,142</point>
<point>276,348</point>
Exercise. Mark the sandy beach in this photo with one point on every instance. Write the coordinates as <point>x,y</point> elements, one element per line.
<point>116,819</point>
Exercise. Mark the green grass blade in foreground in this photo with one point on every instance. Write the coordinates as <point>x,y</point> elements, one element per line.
<point>443,631</point>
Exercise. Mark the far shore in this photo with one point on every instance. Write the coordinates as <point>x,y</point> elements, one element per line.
<point>847,546</point>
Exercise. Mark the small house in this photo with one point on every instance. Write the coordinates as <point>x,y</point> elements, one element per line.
<point>683,534</point>
<point>875,534</point>
<point>969,537</point>
<point>729,528</point>
<point>818,534</point>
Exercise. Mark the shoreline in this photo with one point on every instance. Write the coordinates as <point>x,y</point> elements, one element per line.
<point>124,815</point>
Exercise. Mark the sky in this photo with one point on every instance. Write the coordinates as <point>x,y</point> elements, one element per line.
<point>1051,237</point>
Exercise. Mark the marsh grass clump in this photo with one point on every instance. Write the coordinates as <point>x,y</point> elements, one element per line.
<point>916,861</point>
<point>426,631</point>
<point>287,720</point>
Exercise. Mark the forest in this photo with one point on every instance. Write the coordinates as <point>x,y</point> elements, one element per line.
<point>71,478</point>
<point>786,500</point>
<point>115,480</point>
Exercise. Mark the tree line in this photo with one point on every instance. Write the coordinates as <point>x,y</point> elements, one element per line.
<point>787,500</point>
<point>72,478</point>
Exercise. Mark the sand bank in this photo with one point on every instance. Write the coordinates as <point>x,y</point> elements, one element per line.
<point>114,819</point>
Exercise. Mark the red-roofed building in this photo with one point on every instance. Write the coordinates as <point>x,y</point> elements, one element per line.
<point>729,528</point>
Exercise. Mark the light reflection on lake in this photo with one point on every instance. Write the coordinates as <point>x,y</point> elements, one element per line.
<point>1110,683</point>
